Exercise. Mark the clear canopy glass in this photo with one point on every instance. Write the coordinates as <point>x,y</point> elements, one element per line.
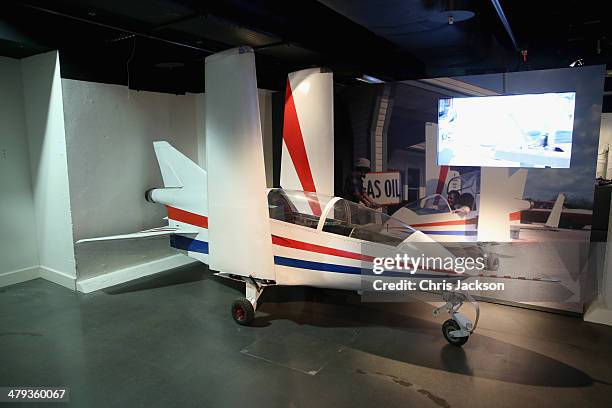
<point>344,217</point>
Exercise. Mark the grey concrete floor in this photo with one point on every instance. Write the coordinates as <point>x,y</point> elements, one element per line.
<point>169,341</point>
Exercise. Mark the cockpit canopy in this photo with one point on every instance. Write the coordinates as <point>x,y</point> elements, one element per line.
<point>438,204</point>
<point>342,217</point>
<point>433,204</point>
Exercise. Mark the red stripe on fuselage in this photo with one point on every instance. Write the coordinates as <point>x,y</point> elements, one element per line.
<point>305,246</point>
<point>514,216</point>
<point>187,217</point>
<point>198,220</point>
<point>445,223</point>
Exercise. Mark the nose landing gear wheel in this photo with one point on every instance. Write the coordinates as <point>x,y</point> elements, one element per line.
<point>243,312</point>
<point>449,326</point>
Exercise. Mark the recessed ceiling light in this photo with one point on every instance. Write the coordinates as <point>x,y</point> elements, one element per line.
<point>370,79</point>
<point>451,16</point>
<point>578,63</point>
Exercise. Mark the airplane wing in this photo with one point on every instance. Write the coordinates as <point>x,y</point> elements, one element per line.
<point>150,233</point>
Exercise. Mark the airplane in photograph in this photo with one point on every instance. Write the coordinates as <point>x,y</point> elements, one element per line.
<point>458,221</point>
<point>434,216</point>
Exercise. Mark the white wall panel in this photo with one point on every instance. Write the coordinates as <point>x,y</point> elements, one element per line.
<point>48,166</point>
<point>111,162</point>
<point>18,245</point>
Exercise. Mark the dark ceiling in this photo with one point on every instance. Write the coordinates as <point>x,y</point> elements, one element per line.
<point>161,44</point>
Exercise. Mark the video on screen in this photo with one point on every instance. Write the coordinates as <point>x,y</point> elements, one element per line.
<point>531,130</point>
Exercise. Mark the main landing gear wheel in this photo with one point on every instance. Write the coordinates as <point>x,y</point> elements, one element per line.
<point>243,312</point>
<point>449,326</point>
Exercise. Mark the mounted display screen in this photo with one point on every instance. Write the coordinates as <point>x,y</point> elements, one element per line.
<point>531,130</point>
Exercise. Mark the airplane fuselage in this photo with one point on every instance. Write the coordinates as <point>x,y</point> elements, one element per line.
<point>302,255</point>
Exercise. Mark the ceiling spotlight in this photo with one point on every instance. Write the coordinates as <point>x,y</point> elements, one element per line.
<point>450,16</point>
<point>578,63</point>
<point>370,79</point>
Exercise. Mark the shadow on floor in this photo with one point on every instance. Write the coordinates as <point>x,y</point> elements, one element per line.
<point>389,330</point>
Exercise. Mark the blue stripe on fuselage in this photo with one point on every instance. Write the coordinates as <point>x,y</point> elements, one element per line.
<point>194,245</point>
<point>317,266</point>
<point>188,244</point>
<point>353,270</point>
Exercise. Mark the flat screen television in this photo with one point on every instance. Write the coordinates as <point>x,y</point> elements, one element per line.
<point>530,130</point>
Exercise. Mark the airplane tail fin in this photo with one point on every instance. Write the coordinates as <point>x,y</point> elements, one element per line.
<point>185,196</point>
<point>177,169</point>
<point>185,184</point>
<point>555,214</point>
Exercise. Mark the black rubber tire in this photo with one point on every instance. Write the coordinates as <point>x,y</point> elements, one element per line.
<point>243,312</point>
<point>449,326</point>
<point>492,263</point>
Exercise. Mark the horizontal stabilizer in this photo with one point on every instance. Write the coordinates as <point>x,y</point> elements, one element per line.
<point>151,233</point>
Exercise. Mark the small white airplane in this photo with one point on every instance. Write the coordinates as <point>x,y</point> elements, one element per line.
<point>437,218</point>
<point>333,249</point>
<point>434,216</point>
<point>552,222</point>
<point>223,216</point>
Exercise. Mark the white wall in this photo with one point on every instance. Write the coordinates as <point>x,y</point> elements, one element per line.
<point>18,246</point>
<point>47,147</point>
<point>200,101</point>
<point>111,163</point>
